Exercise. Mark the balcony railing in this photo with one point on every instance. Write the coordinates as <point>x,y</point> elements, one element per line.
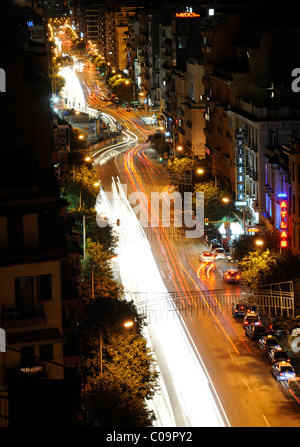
<point>14,317</point>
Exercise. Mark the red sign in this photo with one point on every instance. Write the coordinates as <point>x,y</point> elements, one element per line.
<point>283,223</point>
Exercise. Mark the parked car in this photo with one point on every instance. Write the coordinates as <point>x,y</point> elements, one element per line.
<point>268,342</point>
<point>255,330</point>
<point>278,355</point>
<point>250,317</point>
<point>219,253</point>
<point>239,309</point>
<point>283,371</point>
<point>207,256</point>
<point>231,276</point>
<point>215,245</point>
<point>277,329</point>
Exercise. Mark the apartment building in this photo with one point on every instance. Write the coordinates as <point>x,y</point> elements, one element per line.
<point>33,241</point>
<point>249,105</point>
<point>282,194</point>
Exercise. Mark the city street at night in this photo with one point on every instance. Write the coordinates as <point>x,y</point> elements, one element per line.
<point>150,216</point>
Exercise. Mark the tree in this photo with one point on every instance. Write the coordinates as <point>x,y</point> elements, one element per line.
<point>128,364</point>
<point>262,267</point>
<point>59,83</point>
<point>96,260</point>
<point>256,267</point>
<point>109,405</point>
<point>179,165</point>
<point>159,144</point>
<point>105,236</point>
<point>79,186</point>
<point>122,88</point>
<point>214,207</point>
<point>245,243</point>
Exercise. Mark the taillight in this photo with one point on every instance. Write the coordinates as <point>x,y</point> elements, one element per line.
<point>237,276</point>
<point>228,276</point>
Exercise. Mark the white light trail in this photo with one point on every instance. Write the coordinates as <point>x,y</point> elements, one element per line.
<point>72,91</point>
<point>196,401</point>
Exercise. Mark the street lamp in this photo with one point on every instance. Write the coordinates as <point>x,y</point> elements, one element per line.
<point>259,242</point>
<point>179,148</point>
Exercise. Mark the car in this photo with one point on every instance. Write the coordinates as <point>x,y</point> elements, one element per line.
<point>255,330</point>
<point>283,371</point>
<point>268,342</point>
<point>239,309</point>
<point>232,276</point>
<point>215,245</point>
<point>277,329</point>
<point>212,240</point>
<point>250,317</point>
<point>207,256</point>
<point>278,355</point>
<point>219,253</point>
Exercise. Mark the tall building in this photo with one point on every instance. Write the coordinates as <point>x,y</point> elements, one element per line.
<point>33,238</point>
<point>249,103</point>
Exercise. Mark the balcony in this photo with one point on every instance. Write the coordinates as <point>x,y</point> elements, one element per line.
<point>252,173</point>
<point>13,317</point>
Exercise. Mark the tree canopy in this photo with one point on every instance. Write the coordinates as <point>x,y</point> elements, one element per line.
<point>263,267</point>
<point>121,87</point>
<point>214,207</point>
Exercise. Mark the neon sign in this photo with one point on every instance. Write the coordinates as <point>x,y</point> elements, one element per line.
<point>240,167</point>
<point>283,220</point>
<point>187,14</point>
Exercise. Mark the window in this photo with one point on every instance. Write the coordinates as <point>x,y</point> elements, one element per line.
<point>27,356</point>
<point>272,138</point>
<point>24,293</point>
<point>46,352</point>
<point>44,287</point>
<point>15,234</point>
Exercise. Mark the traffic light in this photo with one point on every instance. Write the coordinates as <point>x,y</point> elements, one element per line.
<point>206,221</point>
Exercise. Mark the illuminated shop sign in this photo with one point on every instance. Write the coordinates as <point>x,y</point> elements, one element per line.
<point>283,220</point>
<point>240,167</point>
<point>187,14</point>
<point>253,230</point>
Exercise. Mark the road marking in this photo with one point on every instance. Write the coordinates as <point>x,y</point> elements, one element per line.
<point>266,420</point>
<point>217,329</point>
<point>245,382</point>
<point>234,359</point>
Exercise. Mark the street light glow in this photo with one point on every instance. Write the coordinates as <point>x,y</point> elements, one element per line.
<point>259,242</point>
